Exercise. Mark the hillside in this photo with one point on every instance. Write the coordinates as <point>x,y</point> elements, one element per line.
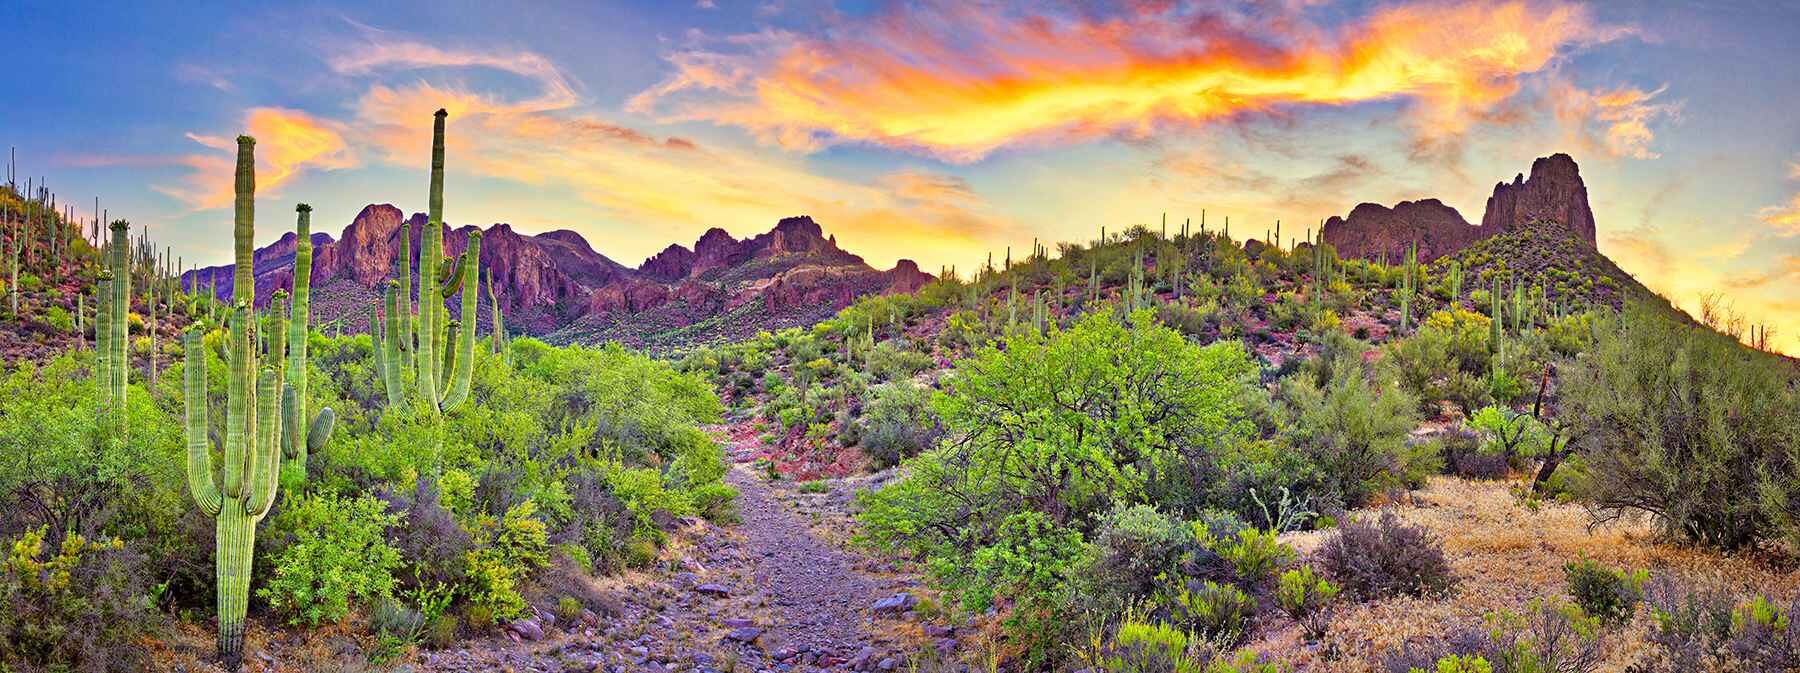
<point>556,286</point>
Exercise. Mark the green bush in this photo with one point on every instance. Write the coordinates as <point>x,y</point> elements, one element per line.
<point>1355,429</point>
<point>1255,555</point>
<point>335,554</point>
<point>898,423</point>
<point>1219,612</point>
<point>59,319</point>
<point>1688,426</point>
<point>1306,598</point>
<point>1606,593</point>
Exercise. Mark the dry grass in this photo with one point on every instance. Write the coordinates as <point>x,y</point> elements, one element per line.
<point>1504,555</point>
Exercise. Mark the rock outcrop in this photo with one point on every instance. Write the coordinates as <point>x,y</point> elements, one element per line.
<point>1554,192</point>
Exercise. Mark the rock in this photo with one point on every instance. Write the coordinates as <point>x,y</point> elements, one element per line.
<point>589,618</point>
<point>737,622</point>
<point>939,631</point>
<point>863,659</point>
<point>714,590</point>
<point>897,603</point>
<point>746,634</point>
<point>528,629</point>
<point>888,664</point>
<point>1553,192</point>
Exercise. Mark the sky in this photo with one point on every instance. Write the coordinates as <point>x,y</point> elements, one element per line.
<point>931,130</point>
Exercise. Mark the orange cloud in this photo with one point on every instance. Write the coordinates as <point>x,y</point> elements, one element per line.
<point>1784,218</point>
<point>1613,122</point>
<point>287,142</point>
<point>960,80</point>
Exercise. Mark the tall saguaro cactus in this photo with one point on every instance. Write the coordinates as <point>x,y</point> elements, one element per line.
<point>302,435</point>
<point>248,476</point>
<point>444,359</point>
<point>112,363</point>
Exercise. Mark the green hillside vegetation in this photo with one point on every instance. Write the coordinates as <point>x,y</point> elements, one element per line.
<point>1104,446</point>
<point>137,510</point>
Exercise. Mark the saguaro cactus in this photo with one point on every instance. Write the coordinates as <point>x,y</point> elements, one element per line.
<point>444,358</point>
<point>303,434</point>
<point>248,476</point>
<point>112,336</point>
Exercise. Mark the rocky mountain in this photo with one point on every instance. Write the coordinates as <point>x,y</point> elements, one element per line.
<point>1554,192</point>
<point>556,286</point>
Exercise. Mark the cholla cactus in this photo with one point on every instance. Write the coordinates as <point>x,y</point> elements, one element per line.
<point>248,476</point>
<point>443,360</point>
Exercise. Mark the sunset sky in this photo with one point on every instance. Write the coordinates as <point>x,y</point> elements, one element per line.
<point>936,131</point>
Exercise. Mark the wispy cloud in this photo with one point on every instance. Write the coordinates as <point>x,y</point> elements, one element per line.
<point>960,80</point>
<point>288,142</point>
<point>1784,218</point>
<point>1612,122</point>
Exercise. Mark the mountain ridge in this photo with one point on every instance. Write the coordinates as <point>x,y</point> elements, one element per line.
<point>547,282</point>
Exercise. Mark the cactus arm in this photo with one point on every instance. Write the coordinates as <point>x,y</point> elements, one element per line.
<point>199,457</point>
<point>103,337</point>
<point>265,472</point>
<point>120,366</point>
<point>465,341</point>
<point>390,345</point>
<point>403,319</point>
<point>451,275</point>
<point>289,420</point>
<point>320,432</point>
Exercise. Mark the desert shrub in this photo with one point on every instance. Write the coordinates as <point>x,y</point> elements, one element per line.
<point>1609,594</point>
<point>1134,546</point>
<point>898,423</point>
<point>1355,429</point>
<point>1385,558</point>
<point>1447,359</point>
<point>1139,646</point>
<point>59,319</point>
<point>1219,612</point>
<point>1306,598</point>
<point>1689,626</point>
<point>432,545</point>
<point>1030,562</point>
<point>78,606</point>
<point>336,553</point>
<point>1545,637</point>
<point>1464,454</point>
<point>1255,555</point>
<point>1687,426</point>
<point>1764,638</point>
<point>888,363</point>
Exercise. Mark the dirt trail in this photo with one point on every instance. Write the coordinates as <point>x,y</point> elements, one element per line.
<point>766,594</point>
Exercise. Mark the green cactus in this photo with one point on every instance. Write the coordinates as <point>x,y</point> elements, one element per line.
<point>1496,325</point>
<point>251,454</point>
<point>302,436</point>
<point>443,362</point>
<point>497,339</point>
<point>111,357</point>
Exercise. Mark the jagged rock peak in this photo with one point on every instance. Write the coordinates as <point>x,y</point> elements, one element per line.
<point>1554,191</point>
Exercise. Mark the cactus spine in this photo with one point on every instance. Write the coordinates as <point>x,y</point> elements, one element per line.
<point>442,372</point>
<point>248,477</point>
